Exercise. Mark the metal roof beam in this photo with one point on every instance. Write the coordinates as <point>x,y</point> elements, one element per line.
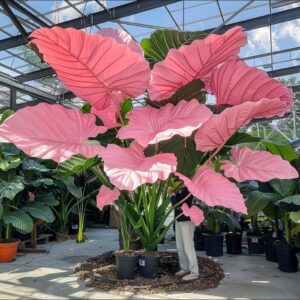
<point>26,89</point>
<point>284,72</point>
<point>96,18</point>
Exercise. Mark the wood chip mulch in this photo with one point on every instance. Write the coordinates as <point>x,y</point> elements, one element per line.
<point>100,272</point>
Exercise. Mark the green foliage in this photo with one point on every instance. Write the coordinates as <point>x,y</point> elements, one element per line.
<point>285,151</point>
<point>86,108</point>
<point>6,114</point>
<point>295,216</point>
<point>33,165</point>
<point>39,211</point>
<point>9,189</point>
<point>157,46</point>
<point>76,164</point>
<point>19,220</point>
<point>284,187</point>
<point>291,203</point>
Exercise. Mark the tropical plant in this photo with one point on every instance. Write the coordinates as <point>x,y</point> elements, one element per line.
<point>172,134</point>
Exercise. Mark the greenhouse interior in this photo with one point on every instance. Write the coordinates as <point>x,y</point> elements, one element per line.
<point>149,149</point>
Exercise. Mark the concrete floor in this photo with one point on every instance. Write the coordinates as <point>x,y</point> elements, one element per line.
<point>50,276</point>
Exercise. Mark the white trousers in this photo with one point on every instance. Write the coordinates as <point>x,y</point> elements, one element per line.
<point>185,245</point>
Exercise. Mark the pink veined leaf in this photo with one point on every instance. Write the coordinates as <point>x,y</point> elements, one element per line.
<point>219,128</point>
<point>194,212</point>
<point>234,83</point>
<point>250,164</point>
<point>106,196</point>
<point>128,168</point>
<point>149,125</point>
<point>194,61</point>
<point>52,132</point>
<point>214,189</point>
<point>91,66</point>
<point>122,37</point>
<point>110,114</point>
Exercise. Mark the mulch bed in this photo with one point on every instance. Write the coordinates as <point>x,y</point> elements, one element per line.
<point>100,272</point>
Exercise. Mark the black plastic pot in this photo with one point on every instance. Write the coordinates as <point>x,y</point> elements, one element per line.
<point>287,259</point>
<point>270,248</point>
<point>255,244</point>
<point>199,240</point>
<point>148,266</point>
<point>233,243</point>
<point>73,228</point>
<point>126,266</point>
<point>213,244</point>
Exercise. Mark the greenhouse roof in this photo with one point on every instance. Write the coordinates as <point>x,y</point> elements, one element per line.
<point>273,29</point>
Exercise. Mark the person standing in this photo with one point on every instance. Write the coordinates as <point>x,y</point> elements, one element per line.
<point>184,234</point>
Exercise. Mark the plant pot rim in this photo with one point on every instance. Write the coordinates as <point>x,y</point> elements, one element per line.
<point>129,253</point>
<point>214,234</point>
<point>10,241</point>
<point>233,233</point>
<point>147,253</point>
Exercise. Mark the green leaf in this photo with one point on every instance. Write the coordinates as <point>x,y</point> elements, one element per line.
<point>86,108</point>
<point>10,150</point>
<point>7,113</point>
<point>1,210</point>
<point>291,203</point>
<point>109,137</point>
<point>9,189</point>
<point>71,187</point>
<point>157,46</point>
<point>9,163</point>
<point>39,210</point>
<point>33,165</point>
<point>46,198</point>
<point>76,164</point>
<point>126,106</point>
<point>19,220</point>
<point>241,138</point>
<point>285,151</point>
<point>192,90</point>
<point>257,201</point>
<point>295,216</point>
<point>284,187</point>
<point>38,181</point>
<point>188,159</point>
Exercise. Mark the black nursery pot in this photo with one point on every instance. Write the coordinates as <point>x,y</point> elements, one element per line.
<point>148,266</point>
<point>270,248</point>
<point>234,243</point>
<point>255,244</point>
<point>287,259</point>
<point>199,240</point>
<point>126,266</point>
<point>213,244</point>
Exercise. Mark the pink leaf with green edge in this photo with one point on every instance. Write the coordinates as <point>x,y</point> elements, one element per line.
<point>194,212</point>
<point>149,125</point>
<point>110,114</point>
<point>250,164</point>
<point>128,168</point>
<point>234,83</point>
<point>219,128</point>
<point>91,66</point>
<point>122,37</point>
<point>106,196</point>
<point>194,61</point>
<point>214,189</point>
<point>52,132</point>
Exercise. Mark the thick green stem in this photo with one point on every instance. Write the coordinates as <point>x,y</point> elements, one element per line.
<point>8,231</point>
<point>80,227</point>
<point>287,228</point>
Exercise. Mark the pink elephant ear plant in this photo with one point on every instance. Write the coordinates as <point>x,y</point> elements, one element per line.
<point>173,134</point>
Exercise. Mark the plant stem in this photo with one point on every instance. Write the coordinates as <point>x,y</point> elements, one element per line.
<point>8,231</point>
<point>287,228</point>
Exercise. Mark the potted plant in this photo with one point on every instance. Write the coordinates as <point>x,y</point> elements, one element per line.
<point>233,237</point>
<point>286,249</point>
<point>173,121</point>
<point>199,237</point>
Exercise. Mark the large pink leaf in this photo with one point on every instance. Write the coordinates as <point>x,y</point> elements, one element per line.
<point>122,37</point>
<point>149,125</point>
<point>110,114</point>
<point>128,168</point>
<point>106,196</point>
<point>219,128</point>
<point>92,66</point>
<point>194,62</point>
<point>214,189</point>
<point>249,164</point>
<point>234,83</point>
<point>52,132</point>
<point>194,212</point>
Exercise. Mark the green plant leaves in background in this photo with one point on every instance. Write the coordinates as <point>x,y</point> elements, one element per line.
<point>7,113</point>
<point>33,165</point>
<point>39,211</point>
<point>19,220</point>
<point>257,201</point>
<point>76,164</point>
<point>291,203</point>
<point>284,187</point>
<point>295,216</point>
<point>285,151</point>
<point>157,46</point>
<point>9,189</point>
